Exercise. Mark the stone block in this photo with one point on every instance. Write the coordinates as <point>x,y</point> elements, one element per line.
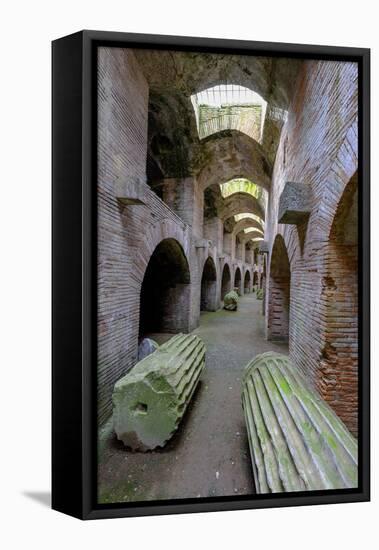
<point>231,301</point>
<point>131,192</point>
<point>203,243</point>
<point>296,440</point>
<point>259,294</point>
<point>294,203</point>
<point>150,401</point>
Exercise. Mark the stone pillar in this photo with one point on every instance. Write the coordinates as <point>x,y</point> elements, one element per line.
<point>228,240</point>
<point>239,251</point>
<point>213,230</point>
<point>185,198</point>
<point>249,256</point>
<point>187,201</point>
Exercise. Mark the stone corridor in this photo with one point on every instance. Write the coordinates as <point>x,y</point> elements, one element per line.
<point>219,173</point>
<point>209,454</point>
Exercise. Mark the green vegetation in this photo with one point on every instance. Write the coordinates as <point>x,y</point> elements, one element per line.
<point>240,185</point>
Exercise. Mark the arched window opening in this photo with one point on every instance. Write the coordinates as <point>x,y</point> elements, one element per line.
<point>279,293</point>
<point>165,291</point>
<point>208,287</point>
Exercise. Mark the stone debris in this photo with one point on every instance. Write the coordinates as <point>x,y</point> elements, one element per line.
<point>146,347</point>
<point>149,402</point>
<point>231,301</point>
<point>296,440</point>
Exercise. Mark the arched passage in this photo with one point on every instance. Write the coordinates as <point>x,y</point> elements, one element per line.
<point>238,280</point>
<point>279,293</point>
<point>255,281</point>
<point>231,154</point>
<point>247,282</point>
<point>165,291</point>
<point>239,203</point>
<point>225,281</point>
<point>337,379</point>
<point>208,287</point>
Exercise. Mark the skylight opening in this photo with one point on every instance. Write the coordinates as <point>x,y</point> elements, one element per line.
<point>229,107</point>
<point>240,185</point>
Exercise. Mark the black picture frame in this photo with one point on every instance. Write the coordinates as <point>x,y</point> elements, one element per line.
<point>74,274</point>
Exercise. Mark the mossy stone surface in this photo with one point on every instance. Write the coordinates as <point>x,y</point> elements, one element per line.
<point>296,440</point>
<point>231,301</point>
<point>149,401</point>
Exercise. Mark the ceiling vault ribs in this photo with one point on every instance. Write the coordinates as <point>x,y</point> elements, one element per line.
<point>216,117</point>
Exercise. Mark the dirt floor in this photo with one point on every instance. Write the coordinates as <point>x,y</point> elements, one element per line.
<point>209,455</point>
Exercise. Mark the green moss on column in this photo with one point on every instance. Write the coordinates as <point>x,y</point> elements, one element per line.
<point>231,301</point>
<point>296,440</point>
<point>150,401</point>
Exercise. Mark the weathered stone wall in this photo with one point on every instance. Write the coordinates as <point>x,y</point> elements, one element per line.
<point>318,147</point>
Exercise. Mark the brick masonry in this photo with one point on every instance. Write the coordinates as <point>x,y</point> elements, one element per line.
<point>318,147</point>
<point>309,275</point>
<point>133,221</point>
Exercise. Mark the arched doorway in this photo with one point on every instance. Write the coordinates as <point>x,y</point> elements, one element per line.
<point>165,291</point>
<point>278,321</point>
<point>262,283</point>
<point>255,281</point>
<point>337,379</point>
<point>208,287</point>
<point>225,281</point>
<point>247,282</point>
<point>238,280</point>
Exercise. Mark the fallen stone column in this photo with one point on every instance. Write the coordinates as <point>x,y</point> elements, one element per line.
<point>296,440</point>
<point>259,294</point>
<point>231,301</point>
<point>150,401</point>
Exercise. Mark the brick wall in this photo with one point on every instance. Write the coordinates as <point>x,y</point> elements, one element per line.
<point>133,221</point>
<point>127,235</point>
<point>318,147</point>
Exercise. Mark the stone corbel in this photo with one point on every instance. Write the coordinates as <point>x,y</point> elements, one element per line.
<point>203,243</point>
<point>294,203</point>
<point>130,193</point>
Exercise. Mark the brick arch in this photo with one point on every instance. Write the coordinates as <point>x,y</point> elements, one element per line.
<point>337,376</point>
<point>247,223</point>
<point>255,280</point>
<point>226,279</point>
<point>246,237</point>
<point>231,154</point>
<point>241,203</point>
<point>165,290</point>
<point>153,235</point>
<point>278,293</point>
<point>343,169</point>
<point>238,282</point>
<point>247,282</point>
<point>208,296</point>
